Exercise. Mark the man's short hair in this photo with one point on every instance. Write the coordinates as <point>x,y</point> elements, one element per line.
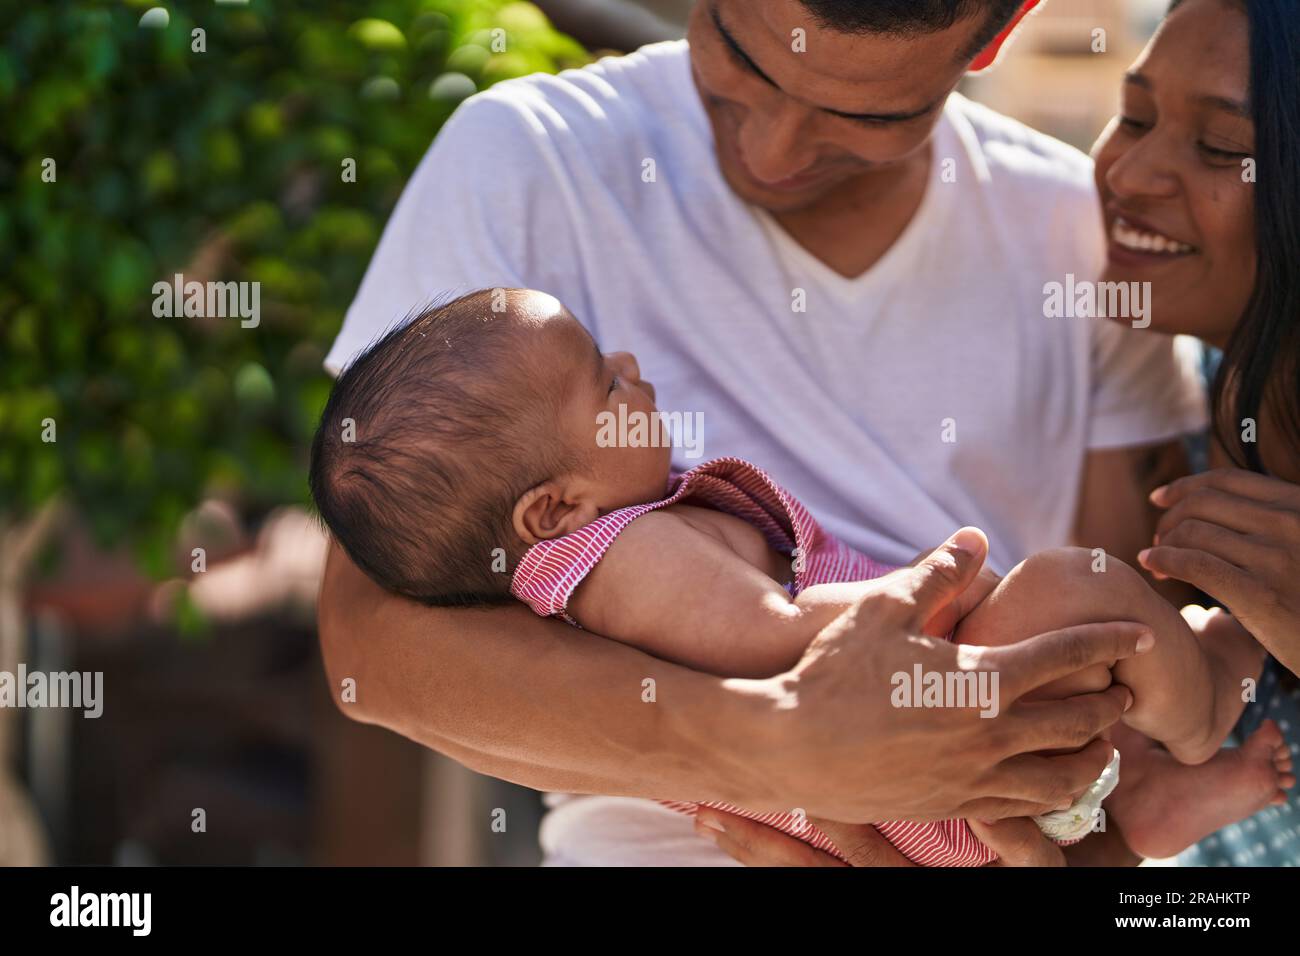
<point>913,17</point>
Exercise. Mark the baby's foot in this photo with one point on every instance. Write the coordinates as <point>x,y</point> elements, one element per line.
<point>1175,805</point>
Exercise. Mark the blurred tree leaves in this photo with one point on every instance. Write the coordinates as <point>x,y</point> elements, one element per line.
<point>223,165</point>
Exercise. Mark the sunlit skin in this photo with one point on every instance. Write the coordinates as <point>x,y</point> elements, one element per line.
<point>563,360</point>
<point>824,137</point>
<point>1171,163</point>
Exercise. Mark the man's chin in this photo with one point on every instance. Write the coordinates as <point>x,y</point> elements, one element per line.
<point>769,199</point>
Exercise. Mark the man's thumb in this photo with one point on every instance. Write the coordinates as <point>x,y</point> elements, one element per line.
<point>942,575</point>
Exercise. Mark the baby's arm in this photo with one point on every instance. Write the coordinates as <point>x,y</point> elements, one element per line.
<point>699,588</point>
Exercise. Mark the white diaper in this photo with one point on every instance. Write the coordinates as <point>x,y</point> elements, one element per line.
<point>1077,821</point>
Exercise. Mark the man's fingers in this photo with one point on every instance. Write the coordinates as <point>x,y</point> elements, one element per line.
<point>756,844</point>
<point>1035,661</point>
<point>950,615</point>
<point>1018,842</point>
<point>1067,724</point>
<point>862,844</point>
<point>1052,781</point>
<point>999,808</point>
<point>942,576</point>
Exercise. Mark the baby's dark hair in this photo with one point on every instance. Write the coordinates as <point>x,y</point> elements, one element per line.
<point>424,447</point>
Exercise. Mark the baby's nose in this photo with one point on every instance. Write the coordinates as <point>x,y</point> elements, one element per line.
<point>627,365</point>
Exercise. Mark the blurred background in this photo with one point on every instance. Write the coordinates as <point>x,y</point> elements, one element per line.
<point>153,507</point>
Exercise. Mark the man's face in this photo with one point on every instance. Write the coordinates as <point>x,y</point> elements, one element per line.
<point>791,127</point>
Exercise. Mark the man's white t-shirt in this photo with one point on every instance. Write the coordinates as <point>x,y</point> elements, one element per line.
<point>928,393</point>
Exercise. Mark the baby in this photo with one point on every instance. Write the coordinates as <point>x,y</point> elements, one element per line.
<point>461,461</point>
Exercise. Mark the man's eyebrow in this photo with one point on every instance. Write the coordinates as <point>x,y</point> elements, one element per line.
<point>862,117</point>
<point>600,362</point>
<point>735,47</point>
<point>1228,105</point>
<point>884,117</point>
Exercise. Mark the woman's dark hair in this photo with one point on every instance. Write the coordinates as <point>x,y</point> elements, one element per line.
<point>1261,363</point>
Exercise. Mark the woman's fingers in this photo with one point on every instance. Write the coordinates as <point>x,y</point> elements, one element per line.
<point>756,844</point>
<point>1224,581</point>
<point>1018,842</point>
<point>1233,512</point>
<point>1196,534</point>
<point>1235,481</point>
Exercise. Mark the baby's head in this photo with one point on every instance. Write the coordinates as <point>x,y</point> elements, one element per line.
<point>471,429</point>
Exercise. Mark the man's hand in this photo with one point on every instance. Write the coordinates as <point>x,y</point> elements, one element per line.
<point>1018,842</point>
<point>823,737</point>
<point>852,755</point>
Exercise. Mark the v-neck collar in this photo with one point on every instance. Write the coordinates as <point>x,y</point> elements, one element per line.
<point>928,217</point>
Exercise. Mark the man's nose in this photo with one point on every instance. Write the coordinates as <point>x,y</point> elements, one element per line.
<point>774,143</point>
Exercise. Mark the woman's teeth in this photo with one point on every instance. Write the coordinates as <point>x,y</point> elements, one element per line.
<point>1139,240</point>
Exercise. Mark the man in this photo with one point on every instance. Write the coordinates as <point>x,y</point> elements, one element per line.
<point>808,238</point>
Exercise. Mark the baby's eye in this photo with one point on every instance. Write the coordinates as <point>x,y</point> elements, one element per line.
<point>613,385</point>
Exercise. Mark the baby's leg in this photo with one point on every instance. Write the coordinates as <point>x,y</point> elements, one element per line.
<point>1162,806</point>
<point>1184,695</point>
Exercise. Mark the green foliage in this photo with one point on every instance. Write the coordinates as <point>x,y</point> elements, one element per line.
<point>223,165</point>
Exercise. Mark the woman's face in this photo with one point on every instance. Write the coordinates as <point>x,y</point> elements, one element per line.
<point>1175,173</point>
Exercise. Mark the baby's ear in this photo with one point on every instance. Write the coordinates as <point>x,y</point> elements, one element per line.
<point>551,511</point>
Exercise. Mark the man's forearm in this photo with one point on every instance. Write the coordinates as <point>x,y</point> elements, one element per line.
<point>540,703</point>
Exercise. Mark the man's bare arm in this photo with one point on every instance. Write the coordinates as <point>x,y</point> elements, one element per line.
<point>551,707</point>
<point>535,701</point>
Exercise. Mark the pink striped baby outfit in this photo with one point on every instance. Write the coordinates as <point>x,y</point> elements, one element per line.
<point>550,571</point>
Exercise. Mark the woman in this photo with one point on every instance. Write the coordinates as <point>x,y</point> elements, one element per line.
<point>1199,178</point>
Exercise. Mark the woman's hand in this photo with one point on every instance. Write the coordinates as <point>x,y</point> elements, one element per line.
<point>1236,535</point>
<point>1016,841</point>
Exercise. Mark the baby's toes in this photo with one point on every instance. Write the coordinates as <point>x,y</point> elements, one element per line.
<point>1282,767</point>
<point>1263,743</point>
